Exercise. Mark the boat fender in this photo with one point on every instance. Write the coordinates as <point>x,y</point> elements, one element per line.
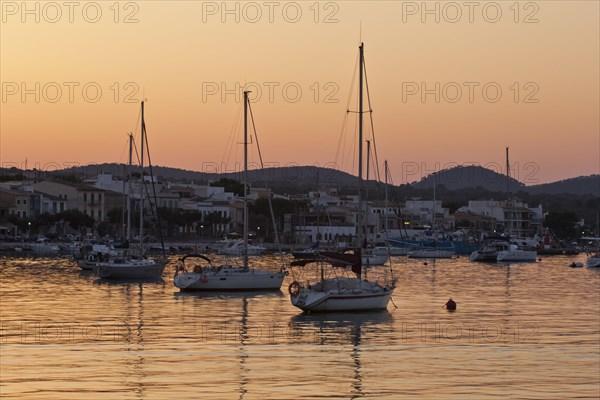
<point>294,289</point>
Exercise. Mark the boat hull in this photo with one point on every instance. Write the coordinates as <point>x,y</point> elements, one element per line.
<point>593,262</point>
<point>328,302</point>
<point>373,259</point>
<point>340,294</point>
<point>234,279</point>
<point>130,271</point>
<point>392,251</point>
<point>460,248</point>
<point>431,253</point>
<point>86,265</point>
<point>517,255</point>
<point>484,257</point>
<point>239,252</point>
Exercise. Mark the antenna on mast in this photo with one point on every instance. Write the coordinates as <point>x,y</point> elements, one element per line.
<point>360,31</point>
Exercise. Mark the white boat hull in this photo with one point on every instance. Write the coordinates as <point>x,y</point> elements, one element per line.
<point>431,253</point>
<point>483,256</point>
<point>593,262</point>
<point>343,295</point>
<point>230,278</point>
<point>373,259</point>
<point>236,251</point>
<point>392,251</point>
<point>517,255</point>
<point>143,269</point>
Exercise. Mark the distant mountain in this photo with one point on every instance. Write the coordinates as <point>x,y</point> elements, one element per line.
<point>300,175</point>
<point>300,179</point>
<point>470,176</point>
<point>581,185</point>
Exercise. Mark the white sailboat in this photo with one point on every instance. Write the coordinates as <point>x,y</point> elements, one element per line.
<point>230,277</point>
<point>130,267</point>
<point>432,251</point>
<point>92,254</point>
<point>513,252</point>
<point>490,249</point>
<point>344,293</point>
<point>236,248</point>
<point>369,258</point>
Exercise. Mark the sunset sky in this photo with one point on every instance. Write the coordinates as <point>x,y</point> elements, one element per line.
<point>180,55</point>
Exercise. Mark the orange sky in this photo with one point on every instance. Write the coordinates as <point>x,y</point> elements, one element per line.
<point>177,51</point>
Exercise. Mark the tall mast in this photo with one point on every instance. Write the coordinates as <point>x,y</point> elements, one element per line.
<point>367,187</point>
<point>508,202</point>
<point>128,236</point>
<point>245,179</point>
<point>434,200</point>
<point>360,144</point>
<point>318,207</point>
<point>142,184</point>
<point>385,168</point>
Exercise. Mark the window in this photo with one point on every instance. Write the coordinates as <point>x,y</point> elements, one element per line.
<point>24,201</point>
<point>24,214</point>
<point>99,215</point>
<point>99,197</point>
<point>54,207</point>
<point>92,197</point>
<point>62,207</point>
<point>92,213</point>
<point>18,201</point>
<point>85,197</point>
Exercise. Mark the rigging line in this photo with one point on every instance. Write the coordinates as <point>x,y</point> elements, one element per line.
<point>396,197</point>
<point>342,138</point>
<point>230,144</point>
<point>156,217</point>
<point>266,183</point>
<point>143,183</point>
<point>341,142</point>
<point>138,120</point>
<point>231,138</point>
<point>353,146</point>
<point>123,151</point>
<point>371,120</point>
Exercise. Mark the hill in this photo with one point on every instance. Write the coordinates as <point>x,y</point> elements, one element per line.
<point>471,176</point>
<point>298,179</point>
<point>581,185</point>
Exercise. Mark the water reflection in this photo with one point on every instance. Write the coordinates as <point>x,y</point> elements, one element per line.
<point>345,329</point>
<point>134,338</point>
<point>526,331</point>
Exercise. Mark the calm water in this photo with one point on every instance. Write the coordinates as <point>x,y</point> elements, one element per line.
<point>522,331</point>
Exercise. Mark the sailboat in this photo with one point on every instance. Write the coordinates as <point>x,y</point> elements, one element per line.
<point>130,267</point>
<point>432,251</point>
<point>593,260</point>
<point>369,257</point>
<point>387,249</point>
<point>229,277</point>
<point>513,253</point>
<point>343,293</point>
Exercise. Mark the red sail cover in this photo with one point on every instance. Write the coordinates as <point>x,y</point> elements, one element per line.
<point>336,259</point>
<point>345,259</point>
